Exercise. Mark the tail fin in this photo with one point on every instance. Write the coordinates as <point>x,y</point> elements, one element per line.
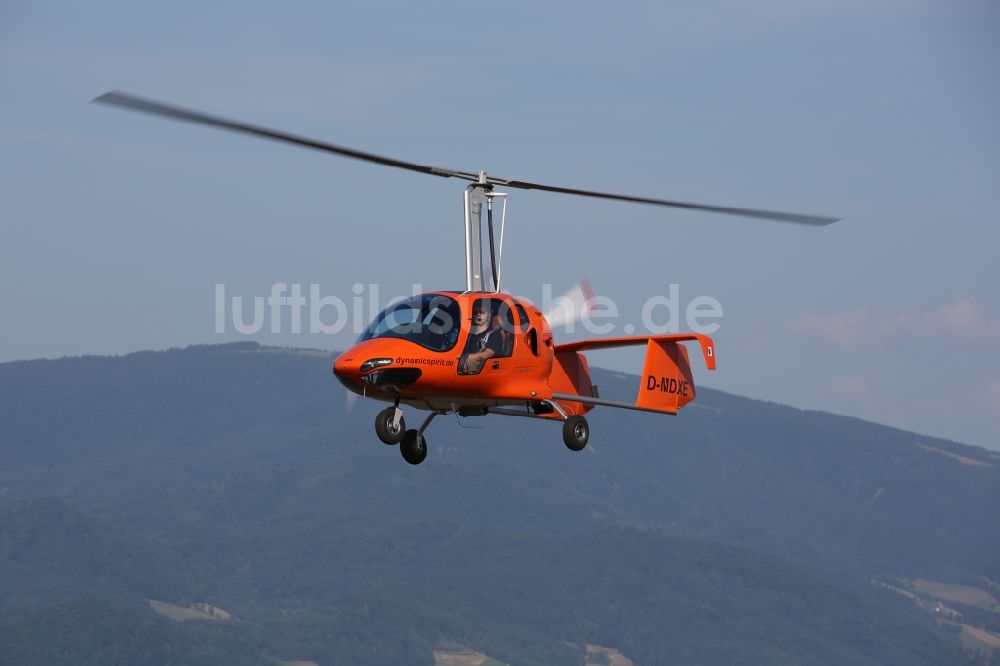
<point>666,383</point>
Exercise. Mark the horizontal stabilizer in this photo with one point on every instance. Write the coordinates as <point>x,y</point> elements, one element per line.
<point>707,346</point>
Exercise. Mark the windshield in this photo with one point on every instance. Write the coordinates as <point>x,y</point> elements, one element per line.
<point>430,320</point>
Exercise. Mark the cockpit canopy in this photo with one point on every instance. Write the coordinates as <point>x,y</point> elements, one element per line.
<point>430,320</point>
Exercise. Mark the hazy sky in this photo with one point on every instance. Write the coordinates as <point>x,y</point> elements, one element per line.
<point>115,227</point>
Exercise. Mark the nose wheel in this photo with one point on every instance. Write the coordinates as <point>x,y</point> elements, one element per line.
<point>389,427</point>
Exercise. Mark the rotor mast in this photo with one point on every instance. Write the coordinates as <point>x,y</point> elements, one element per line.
<point>477,195</point>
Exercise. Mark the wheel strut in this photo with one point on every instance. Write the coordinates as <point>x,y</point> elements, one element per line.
<point>427,421</point>
<point>397,414</point>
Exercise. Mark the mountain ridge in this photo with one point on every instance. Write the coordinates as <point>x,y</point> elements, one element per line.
<point>269,491</point>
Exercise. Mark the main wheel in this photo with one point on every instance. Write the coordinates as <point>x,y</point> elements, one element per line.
<point>576,432</point>
<point>384,428</point>
<point>413,447</point>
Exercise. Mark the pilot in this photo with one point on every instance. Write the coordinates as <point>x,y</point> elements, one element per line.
<point>483,343</point>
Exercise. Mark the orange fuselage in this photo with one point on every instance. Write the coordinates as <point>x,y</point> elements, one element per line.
<point>427,369</point>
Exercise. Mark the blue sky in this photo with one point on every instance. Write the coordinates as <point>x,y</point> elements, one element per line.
<point>114,227</point>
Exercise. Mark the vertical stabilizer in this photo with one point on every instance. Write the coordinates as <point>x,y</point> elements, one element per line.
<point>666,383</point>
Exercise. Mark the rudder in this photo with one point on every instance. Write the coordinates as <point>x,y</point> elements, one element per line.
<point>666,384</point>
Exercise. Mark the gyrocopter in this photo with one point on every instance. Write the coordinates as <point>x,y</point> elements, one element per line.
<point>478,350</point>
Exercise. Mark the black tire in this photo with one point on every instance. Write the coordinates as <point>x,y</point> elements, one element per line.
<point>384,429</point>
<point>576,433</point>
<point>413,447</point>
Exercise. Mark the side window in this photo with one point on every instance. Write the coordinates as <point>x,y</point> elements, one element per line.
<point>532,336</point>
<point>490,335</point>
<point>523,315</point>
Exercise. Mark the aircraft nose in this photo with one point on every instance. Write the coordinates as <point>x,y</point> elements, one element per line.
<point>345,367</point>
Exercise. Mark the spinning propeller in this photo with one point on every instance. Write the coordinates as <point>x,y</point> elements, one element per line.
<point>177,113</point>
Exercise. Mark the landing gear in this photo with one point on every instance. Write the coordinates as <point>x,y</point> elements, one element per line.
<point>388,429</point>
<point>576,432</point>
<point>413,447</point>
<point>391,429</point>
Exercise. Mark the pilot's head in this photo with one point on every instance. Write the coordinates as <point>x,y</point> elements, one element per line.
<point>481,312</point>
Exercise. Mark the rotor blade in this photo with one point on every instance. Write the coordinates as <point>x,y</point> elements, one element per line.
<point>814,220</point>
<point>134,103</point>
<point>186,115</point>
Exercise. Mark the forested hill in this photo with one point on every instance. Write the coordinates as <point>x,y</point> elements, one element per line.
<point>245,478</point>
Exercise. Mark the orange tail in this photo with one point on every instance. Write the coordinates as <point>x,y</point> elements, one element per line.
<point>666,384</point>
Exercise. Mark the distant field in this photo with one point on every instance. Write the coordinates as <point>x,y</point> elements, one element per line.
<point>598,654</point>
<point>979,640</point>
<point>954,456</point>
<point>464,657</point>
<point>193,612</point>
<point>963,594</point>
